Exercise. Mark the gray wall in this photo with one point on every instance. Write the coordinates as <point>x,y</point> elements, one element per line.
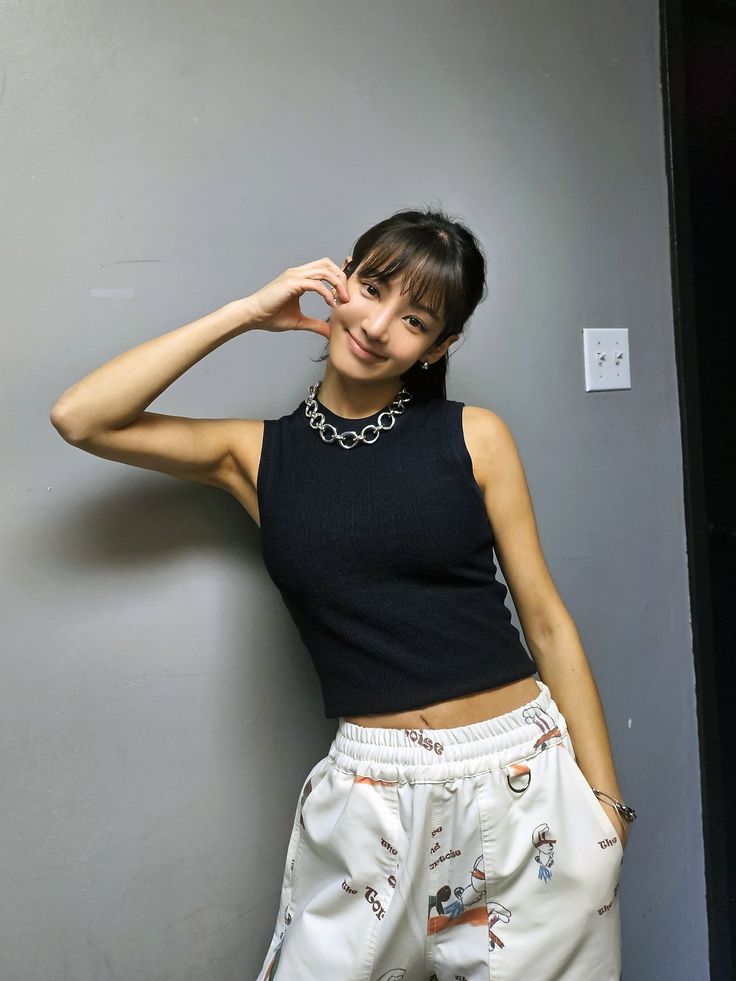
<point>158,711</point>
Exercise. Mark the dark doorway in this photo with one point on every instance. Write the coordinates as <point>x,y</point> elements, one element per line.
<point>699,92</point>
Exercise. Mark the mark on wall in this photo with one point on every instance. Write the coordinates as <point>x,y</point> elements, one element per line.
<point>118,262</point>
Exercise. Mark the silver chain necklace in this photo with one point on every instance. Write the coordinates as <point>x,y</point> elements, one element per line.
<point>349,439</point>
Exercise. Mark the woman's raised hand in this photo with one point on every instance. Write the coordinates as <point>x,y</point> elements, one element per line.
<point>275,307</point>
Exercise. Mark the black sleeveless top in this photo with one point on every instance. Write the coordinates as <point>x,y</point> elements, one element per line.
<point>383,556</point>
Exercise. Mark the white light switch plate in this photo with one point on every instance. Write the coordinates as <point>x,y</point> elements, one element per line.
<point>606,357</point>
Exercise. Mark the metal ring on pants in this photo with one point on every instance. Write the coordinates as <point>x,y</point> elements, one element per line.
<point>463,854</point>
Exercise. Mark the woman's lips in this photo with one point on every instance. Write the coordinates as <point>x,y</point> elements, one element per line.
<point>360,351</point>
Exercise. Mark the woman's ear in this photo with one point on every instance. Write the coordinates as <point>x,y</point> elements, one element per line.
<point>448,341</point>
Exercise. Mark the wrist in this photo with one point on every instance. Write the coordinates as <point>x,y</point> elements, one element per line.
<point>238,316</point>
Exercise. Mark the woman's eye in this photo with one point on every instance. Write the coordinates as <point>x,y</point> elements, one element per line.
<point>419,323</point>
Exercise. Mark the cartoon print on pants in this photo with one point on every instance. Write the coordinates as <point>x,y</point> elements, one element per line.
<point>452,912</point>
<point>536,716</point>
<point>496,912</point>
<point>545,846</point>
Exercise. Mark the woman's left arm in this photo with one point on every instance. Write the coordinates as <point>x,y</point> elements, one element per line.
<point>549,630</point>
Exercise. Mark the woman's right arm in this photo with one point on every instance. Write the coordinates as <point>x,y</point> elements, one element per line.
<point>105,412</point>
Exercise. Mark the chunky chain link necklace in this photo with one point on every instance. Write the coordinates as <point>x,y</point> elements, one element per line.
<point>349,439</point>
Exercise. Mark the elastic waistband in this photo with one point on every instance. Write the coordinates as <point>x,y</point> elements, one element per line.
<point>429,755</point>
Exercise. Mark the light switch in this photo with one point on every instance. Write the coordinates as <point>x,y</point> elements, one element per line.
<point>606,358</point>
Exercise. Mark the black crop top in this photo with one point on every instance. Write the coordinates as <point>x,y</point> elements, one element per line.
<point>383,556</point>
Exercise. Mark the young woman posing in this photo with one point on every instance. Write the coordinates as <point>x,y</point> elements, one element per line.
<point>452,831</point>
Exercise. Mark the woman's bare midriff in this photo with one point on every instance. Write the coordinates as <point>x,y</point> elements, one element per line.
<point>461,711</point>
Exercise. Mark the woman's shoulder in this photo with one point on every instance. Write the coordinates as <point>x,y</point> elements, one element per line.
<point>478,418</point>
<point>487,436</point>
<point>481,415</point>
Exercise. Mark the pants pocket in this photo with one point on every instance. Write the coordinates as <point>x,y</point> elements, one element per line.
<point>316,781</point>
<point>598,808</point>
<point>316,777</point>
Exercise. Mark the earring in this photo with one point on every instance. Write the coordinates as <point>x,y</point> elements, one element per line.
<point>425,365</point>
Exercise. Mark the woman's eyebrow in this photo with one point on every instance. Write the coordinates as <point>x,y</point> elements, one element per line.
<point>429,310</point>
<point>385,281</point>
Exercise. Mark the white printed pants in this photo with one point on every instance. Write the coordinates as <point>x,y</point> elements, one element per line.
<point>473,853</point>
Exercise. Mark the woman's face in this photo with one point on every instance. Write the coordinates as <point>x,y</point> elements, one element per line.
<point>381,320</point>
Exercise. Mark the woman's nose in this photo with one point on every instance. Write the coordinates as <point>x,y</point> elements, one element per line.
<point>376,325</point>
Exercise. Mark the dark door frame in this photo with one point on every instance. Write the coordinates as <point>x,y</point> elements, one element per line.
<point>672,71</point>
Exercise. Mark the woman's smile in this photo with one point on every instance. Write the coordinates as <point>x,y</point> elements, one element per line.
<point>360,351</point>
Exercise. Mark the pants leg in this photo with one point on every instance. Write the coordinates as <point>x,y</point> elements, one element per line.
<point>341,880</point>
<point>283,919</point>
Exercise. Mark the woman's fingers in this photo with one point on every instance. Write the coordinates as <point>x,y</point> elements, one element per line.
<point>327,269</point>
<point>276,306</point>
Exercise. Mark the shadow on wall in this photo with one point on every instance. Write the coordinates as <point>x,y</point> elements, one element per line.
<point>136,525</point>
<point>138,537</point>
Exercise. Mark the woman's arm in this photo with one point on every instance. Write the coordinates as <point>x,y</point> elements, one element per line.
<point>116,393</point>
<point>549,630</point>
<point>564,668</point>
<point>104,413</point>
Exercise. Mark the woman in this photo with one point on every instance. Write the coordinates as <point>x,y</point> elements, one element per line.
<point>450,832</point>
